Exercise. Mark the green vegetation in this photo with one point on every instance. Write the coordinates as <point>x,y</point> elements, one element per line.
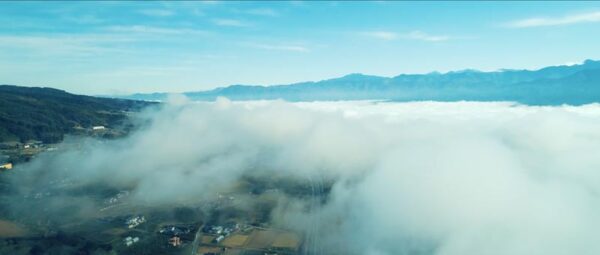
<point>47,114</point>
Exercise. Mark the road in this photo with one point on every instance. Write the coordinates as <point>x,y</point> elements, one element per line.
<point>197,239</point>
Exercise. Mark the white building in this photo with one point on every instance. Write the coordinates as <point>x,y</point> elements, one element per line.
<point>131,240</point>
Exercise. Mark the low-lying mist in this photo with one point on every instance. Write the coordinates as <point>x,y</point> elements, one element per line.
<point>384,178</point>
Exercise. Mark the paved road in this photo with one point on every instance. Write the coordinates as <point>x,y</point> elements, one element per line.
<point>196,242</point>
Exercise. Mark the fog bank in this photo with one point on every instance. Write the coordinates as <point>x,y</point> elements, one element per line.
<point>406,178</point>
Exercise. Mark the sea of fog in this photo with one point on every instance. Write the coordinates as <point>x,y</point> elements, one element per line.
<point>445,178</point>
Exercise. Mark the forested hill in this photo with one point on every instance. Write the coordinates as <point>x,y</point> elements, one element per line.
<point>46,114</point>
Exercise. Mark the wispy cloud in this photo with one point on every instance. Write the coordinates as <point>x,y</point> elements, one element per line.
<point>85,19</point>
<point>556,21</point>
<point>414,35</point>
<point>209,2</point>
<point>573,63</point>
<point>295,48</point>
<point>104,41</point>
<point>197,12</point>
<point>61,45</point>
<point>230,23</point>
<point>157,12</point>
<point>383,35</point>
<point>153,30</point>
<point>262,12</point>
<point>418,35</point>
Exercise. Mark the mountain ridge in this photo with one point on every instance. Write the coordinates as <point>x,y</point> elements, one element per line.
<point>527,87</point>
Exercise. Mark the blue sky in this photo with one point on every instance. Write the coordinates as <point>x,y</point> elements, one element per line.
<point>126,47</point>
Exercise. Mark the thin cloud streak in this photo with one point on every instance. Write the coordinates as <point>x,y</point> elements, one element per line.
<point>556,21</point>
<point>153,30</point>
<point>230,23</point>
<point>418,35</point>
<point>295,48</point>
<point>64,45</point>
<point>414,35</point>
<point>107,40</point>
<point>383,35</point>
<point>157,12</point>
<point>263,12</point>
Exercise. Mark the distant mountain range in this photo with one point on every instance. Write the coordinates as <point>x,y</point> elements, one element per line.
<point>575,84</point>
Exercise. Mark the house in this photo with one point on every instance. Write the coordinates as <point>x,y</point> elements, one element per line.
<point>174,230</point>
<point>135,221</point>
<point>175,241</point>
<point>33,144</point>
<point>6,166</point>
<point>131,240</point>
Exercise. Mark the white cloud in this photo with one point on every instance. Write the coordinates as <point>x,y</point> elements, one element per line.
<point>418,35</point>
<point>296,48</point>
<point>384,35</point>
<point>263,12</point>
<point>106,41</point>
<point>85,19</point>
<point>230,23</point>
<point>154,30</point>
<point>157,12</point>
<point>297,3</point>
<point>414,35</point>
<point>573,63</point>
<point>62,45</point>
<point>406,178</point>
<point>556,21</point>
<point>209,2</point>
<point>198,12</point>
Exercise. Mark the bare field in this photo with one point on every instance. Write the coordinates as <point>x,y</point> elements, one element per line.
<point>261,239</point>
<point>287,241</point>
<point>235,240</point>
<point>9,229</point>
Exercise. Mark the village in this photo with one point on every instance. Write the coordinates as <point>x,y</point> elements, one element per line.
<point>210,227</point>
<point>187,230</point>
<point>238,240</point>
<point>16,152</point>
<point>224,231</point>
